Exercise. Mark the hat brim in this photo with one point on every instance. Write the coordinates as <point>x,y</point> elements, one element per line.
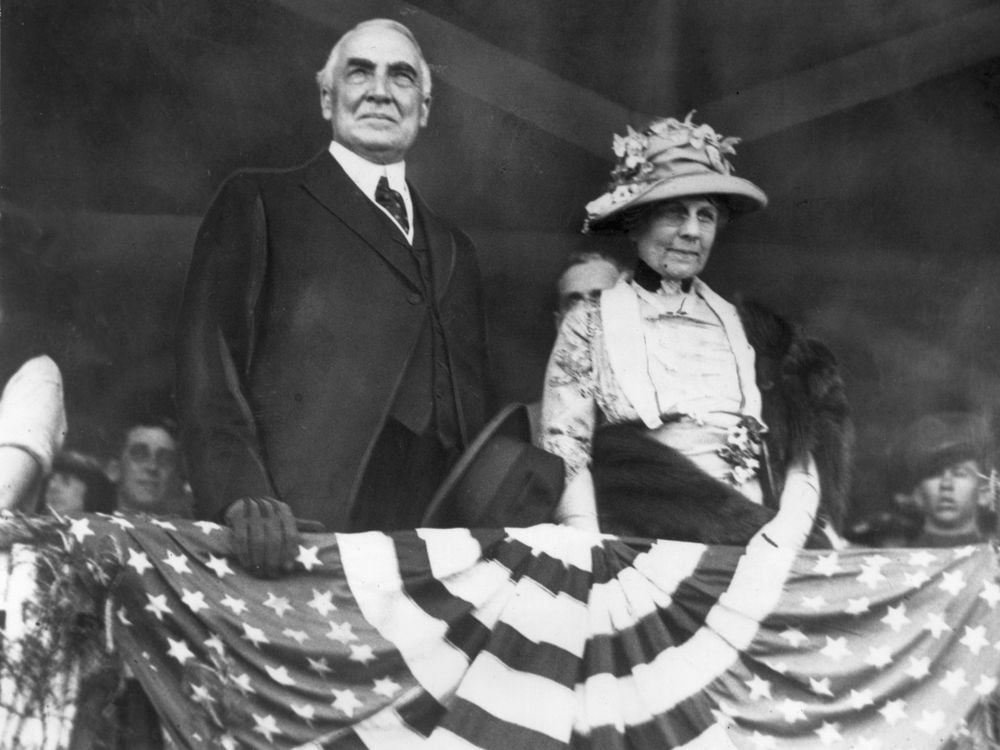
<point>742,196</point>
<point>930,463</point>
<point>513,421</point>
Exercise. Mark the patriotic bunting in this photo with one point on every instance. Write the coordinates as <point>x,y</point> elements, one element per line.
<point>547,637</point>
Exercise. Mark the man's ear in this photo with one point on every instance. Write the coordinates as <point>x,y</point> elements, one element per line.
<point>114,470</point>
<point>906,500</point>
<point>326,103</point>
<point>987,494</point>
<point>425,111</point>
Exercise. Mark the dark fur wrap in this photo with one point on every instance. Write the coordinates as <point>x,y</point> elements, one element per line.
<point>647,489</point>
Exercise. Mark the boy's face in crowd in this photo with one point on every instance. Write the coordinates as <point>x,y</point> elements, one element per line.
<point>149,473</point>
<point>950,499</point>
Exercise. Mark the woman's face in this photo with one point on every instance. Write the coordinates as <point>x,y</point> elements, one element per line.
<point>66,493</point>
<point>676,238</point>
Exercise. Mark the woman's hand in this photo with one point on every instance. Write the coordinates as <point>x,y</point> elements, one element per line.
<point>578,506</point>
<point>798,506</point>
<point>803,476</point>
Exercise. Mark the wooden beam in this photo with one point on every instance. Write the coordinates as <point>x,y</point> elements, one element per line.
<point>586,119</point>
<point>869,74</point>
<point>567,110</point>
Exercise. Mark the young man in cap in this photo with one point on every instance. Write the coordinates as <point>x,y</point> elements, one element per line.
<point>945,461</point>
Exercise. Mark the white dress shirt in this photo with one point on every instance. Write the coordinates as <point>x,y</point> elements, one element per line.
<point>366,174</point>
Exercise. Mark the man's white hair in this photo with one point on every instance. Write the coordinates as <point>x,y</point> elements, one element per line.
<point>325,79</point>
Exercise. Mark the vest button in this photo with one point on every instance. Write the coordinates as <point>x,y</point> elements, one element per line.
<point>414,298</point>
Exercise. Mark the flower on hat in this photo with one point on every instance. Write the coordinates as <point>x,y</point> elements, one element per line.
<point>632,149</point>
<point>607,201</point>
<point>671,151</point>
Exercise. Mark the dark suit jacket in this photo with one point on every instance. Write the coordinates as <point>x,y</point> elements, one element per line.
<point>301,311</point>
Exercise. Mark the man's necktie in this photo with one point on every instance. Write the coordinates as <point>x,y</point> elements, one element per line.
<point>392,202</point>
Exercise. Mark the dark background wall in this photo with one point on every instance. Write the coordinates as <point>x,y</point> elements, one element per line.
<point>874,127</point>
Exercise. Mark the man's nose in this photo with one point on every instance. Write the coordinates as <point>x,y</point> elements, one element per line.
<point>378,87</point>
<point>149,465</point>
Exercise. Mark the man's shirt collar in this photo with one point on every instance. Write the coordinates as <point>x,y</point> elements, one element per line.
<point>366,174</point>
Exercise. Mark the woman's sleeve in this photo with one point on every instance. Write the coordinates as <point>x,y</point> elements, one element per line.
<point>32,415</point>
<point>569,408</point>
<point>32,430</point>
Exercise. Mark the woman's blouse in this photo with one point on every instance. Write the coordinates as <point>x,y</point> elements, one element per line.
<point>700,378</point>
<point>691,364</point>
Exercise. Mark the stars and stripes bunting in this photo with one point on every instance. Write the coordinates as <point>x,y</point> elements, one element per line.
<point>547,637</point>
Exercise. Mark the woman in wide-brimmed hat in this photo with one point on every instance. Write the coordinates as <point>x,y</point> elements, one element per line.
<point>679,415</point>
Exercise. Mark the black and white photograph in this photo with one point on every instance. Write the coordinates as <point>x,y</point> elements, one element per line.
<point>484,375</point>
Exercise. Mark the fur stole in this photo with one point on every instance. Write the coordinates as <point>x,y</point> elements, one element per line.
<point>806,410</point>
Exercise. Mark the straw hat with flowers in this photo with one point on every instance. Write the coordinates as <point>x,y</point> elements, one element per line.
<point>670,159</point>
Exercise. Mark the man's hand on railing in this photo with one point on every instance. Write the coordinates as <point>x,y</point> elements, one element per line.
<point>265,536</point>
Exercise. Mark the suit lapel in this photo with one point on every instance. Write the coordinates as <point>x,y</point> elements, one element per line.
<point>440,243</point>
<point>327,182</point>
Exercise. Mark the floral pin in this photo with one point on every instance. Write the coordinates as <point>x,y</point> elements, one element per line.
<point>742,450</point>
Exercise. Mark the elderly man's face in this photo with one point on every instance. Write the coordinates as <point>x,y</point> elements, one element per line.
<point>677,237</point>
<point>377,105</point>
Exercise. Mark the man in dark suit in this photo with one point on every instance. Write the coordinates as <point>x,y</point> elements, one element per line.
<point>332,348</point>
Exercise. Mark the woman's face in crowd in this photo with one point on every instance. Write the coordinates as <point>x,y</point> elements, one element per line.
<point>66,493</point>
<point>676,238</point>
